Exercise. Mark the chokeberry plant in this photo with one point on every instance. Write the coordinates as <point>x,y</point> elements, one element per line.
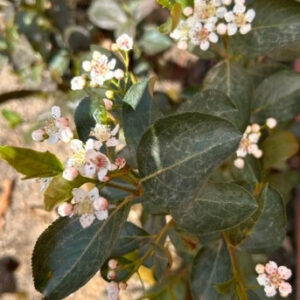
<point>210,176</point>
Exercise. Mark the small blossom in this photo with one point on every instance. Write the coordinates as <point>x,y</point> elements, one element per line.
<point>84,206</point>
<point>113,264</point>
<point>188,11</point>
<point>271,123</point>
<point>239,163</point>
<point>221,28</point>
<point>104,134</point>
<point>119,74</point>
<point>124,42</point>
<point>78,83</point>
<point>113,291</point>
<point>209,11</point>
<point>273,277</point>
<point>65,209</point>
<point>56,128</point>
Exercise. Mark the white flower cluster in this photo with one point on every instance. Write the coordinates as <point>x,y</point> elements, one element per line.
<point>113,288</point>
<point>100,69</point>
<point>249,142</point>
<point>56,128</point>
<point>273,278</point>
<point>211,18</point>
<point>88,205</point>
<point>87,160</point>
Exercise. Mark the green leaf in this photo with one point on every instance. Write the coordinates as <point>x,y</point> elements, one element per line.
<point>60,190</point>
<point>12,118</point>
<point>131,238</point>
<point>276,25</point>
<point>166,3</point>
<point>211,266</point>
<point>84,120</point>
<point>107,14</point>
<point>270,229</point>
<point>278,96</point>
<point>66,256</point>
<point>278,147</point>
<point>218,206</point>
<point>32,163</point>
<point>177,154</point>
<point>138,113</point>
<point>232,80</point>
<point>211,102</point>
<point>154,42</point>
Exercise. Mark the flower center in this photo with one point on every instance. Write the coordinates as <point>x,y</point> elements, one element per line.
<point>240,19</point>
<point>202,34</point>
<point>101,68</point>
<point>101,162</point>
<point>78,158</point>
<point>50,126</point>
<point>85,207</point>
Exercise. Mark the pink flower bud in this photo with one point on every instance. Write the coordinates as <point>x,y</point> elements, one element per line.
<point>65,209</point>
<point>182,45</point>
<point>111,275</point>
<point>188,11</point>
<point>120,162</point>
<point>123,285</point>
<point>38,135</point>
<point>108,104</point>
<point>260,269</point>
<point>101,204</point>
<point>70,173</point>
<point>284,272</point>
<point>119,74</point>
<point>113,264</point>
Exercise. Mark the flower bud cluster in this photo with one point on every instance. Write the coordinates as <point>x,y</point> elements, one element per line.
<point>88,205</point>
<point>273,278</point>
<point>56,128</point>
<point>249,142</point>
<point>211,18</point>
<point>100,69</point>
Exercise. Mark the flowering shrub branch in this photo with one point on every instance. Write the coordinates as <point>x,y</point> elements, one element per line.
<point>208,167</point>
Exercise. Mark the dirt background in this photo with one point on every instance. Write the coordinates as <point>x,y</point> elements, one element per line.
<point>25,218</point>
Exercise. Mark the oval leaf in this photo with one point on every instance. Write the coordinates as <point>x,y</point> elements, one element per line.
<point>66,256</point>
<point>177,154</point>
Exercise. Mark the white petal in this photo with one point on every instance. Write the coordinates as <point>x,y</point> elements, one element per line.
<point>101,215</point>
<point>66,134</point>
<point>76,145</point>
<point>96,55</point>
<point>239,8</point>
<point>90,169</point>
<point>250,15</point>
<point>231,29</point>
<point>86,66</point>
<point>112,64</point>
<point>112,142</point>
<point>209,26</point>
<point>53,138</point>
<point>78,194</point>
<point>204,45</point>
<point>221,11</point>
<point>93,194</point>
<point>213,37</point>
<point>102,173</point>
<point>90,144</point>
<point>229,16</point>
<point>245,29</point>
<point>55,112</point>
<point>115,130</point>
<point>86,220</point>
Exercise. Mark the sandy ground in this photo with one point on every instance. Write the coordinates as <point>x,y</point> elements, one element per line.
<point>25,218</point>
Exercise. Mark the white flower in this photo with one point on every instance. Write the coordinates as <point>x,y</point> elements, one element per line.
<point>113,291</point>
<point>84,205</point>
<point>124,42</point>
<point>101,68</point>
<point>203,35</point>
<point>78,83</point>
<point>239,163</point>
<point>209,11</point>
<point>239,19</point>
<point>56,128</point>
<point>271,123</point>
<point>104,134</point>
<point>181,32</point>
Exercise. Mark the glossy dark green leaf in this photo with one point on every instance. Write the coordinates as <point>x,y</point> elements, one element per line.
<point>84,119</point>
<point>107,14</point>
<point>66,256</point>
<point>278,147</point>
<point>60,190</point>
<point>177,155</point>
<point>218,206</point>
<point>276,25</point>
<point>161,260</point>
<point>278,96</point>
<point>211,266</point>
<point>211,102</point>
<point>131,238</point>
<point>232,80</point>
<point>32,163</point>
<point>270,229</point>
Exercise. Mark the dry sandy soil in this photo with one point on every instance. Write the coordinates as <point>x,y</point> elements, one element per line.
<point>25,218</point>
